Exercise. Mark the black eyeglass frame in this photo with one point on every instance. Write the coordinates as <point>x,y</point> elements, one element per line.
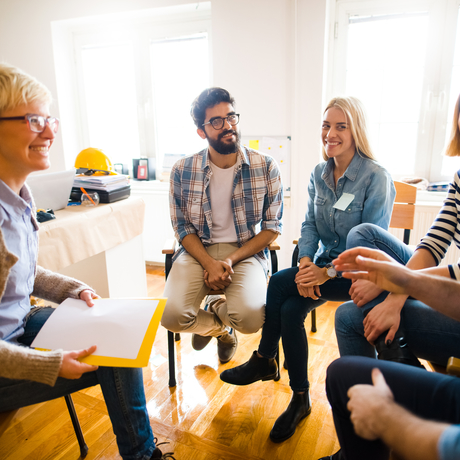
<point>90,172</point>
<point>27,117</point>
<point>223,119</point>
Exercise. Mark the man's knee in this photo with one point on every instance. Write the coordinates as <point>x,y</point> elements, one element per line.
<point>175,320</point>
<point>247,321</point>
<point>344,373</point>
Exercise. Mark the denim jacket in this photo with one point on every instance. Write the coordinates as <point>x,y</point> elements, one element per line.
<point>328,227</point>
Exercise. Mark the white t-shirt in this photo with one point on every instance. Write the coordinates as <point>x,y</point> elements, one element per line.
<point>220,190</point>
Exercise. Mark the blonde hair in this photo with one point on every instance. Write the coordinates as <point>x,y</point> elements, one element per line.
<point>357,121</point>
<point>18,88</point>
<point>453,146</point>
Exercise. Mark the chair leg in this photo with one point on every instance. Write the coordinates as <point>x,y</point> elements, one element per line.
<point>76,426</point>
<point>278,362</point>
<point>274,261</point>
<point>313,321</point>
<point>172,366</point>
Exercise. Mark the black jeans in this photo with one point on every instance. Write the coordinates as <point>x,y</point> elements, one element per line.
<point>285,315</point>
<point>428,395</point>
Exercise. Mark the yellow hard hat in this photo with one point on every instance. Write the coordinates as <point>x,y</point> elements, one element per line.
<point>93,161</point>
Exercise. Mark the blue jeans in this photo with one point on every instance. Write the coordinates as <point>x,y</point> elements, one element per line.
<point>123,391</point>
<point>285,314</point>
<point>429,334</point>
<point>428,395</point>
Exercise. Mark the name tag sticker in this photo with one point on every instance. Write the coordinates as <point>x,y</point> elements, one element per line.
<point>344,201</point>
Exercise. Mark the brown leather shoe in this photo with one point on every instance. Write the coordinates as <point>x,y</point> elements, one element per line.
<point>226,346</point>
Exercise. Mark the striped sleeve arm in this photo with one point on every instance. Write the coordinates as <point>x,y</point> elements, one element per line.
<point>444,228</point>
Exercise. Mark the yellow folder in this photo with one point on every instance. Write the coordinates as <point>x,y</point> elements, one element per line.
<point>145,349</point>
<point>143,356</point>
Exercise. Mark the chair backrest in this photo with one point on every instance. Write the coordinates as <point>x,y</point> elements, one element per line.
<point>403,214</point>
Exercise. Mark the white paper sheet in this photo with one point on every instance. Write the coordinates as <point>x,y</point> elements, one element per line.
<point>116,326</point>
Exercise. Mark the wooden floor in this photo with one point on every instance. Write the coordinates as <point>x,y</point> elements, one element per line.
<point>202,418</point>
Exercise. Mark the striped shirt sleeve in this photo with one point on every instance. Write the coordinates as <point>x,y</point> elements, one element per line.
<point>445,228</point>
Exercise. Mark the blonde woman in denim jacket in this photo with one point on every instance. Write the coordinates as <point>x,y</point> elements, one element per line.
<point>347,189</point>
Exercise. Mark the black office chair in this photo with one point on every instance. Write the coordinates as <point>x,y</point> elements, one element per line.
<point>71,409</point>
<point>76,426</point>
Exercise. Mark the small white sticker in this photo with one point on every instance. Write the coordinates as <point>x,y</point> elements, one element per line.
<point>344,201</point>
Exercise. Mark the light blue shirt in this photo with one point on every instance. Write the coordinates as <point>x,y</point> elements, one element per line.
<point>449,443</point>
<point>325,229</point>
<point>21,238</point>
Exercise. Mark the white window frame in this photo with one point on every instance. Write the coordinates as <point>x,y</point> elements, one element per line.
<point>433,123</point>
<point>137,27</point>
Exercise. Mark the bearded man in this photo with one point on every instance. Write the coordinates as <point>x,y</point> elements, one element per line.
<point>217,199</point>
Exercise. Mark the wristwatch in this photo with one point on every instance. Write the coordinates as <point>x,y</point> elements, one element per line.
<point>331,271</point>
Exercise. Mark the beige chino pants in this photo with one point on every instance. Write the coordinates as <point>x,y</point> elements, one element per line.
<point>244,305</point>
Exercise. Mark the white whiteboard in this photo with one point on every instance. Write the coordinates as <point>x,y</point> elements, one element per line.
<point>278,147</point>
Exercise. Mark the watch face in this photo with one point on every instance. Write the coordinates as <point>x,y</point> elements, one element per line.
<point>331,272</point>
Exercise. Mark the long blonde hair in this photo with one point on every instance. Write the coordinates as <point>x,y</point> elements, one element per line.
<point>357,120</point>
<point>453,146</point>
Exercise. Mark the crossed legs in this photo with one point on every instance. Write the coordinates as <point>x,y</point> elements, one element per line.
<point>243,308</point>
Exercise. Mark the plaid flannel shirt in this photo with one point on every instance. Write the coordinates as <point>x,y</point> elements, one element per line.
<point>257,198</point>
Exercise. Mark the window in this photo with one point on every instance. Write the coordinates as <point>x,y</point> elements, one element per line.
<point>399,59</point>
<point>451,164</point>
<point>110,100</point>
<point>175,86</point>
<point>136,77</point>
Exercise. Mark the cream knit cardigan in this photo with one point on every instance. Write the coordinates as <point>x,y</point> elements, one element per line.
<point>17,362</point>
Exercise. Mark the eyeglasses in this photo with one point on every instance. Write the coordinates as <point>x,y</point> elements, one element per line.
<point>37,123</point>
<point>90,172</point>
<point>218,122</point>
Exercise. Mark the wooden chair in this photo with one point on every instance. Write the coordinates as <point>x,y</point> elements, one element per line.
<point>402,217</point>
<point>452,368</point>
<point>404,208</point>
<point>168,250</point>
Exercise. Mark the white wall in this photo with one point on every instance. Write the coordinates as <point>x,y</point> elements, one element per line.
<point>268,53</point>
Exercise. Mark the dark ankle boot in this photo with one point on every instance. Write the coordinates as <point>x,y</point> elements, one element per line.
<point>252,371</point>
<point>286,424</point>
<point>396,351</point>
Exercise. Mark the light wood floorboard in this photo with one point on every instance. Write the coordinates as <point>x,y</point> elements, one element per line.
<point>202,418</point>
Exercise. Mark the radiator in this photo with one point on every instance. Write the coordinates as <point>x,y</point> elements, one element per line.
<point>425,214</point>
<point>157,226</point>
